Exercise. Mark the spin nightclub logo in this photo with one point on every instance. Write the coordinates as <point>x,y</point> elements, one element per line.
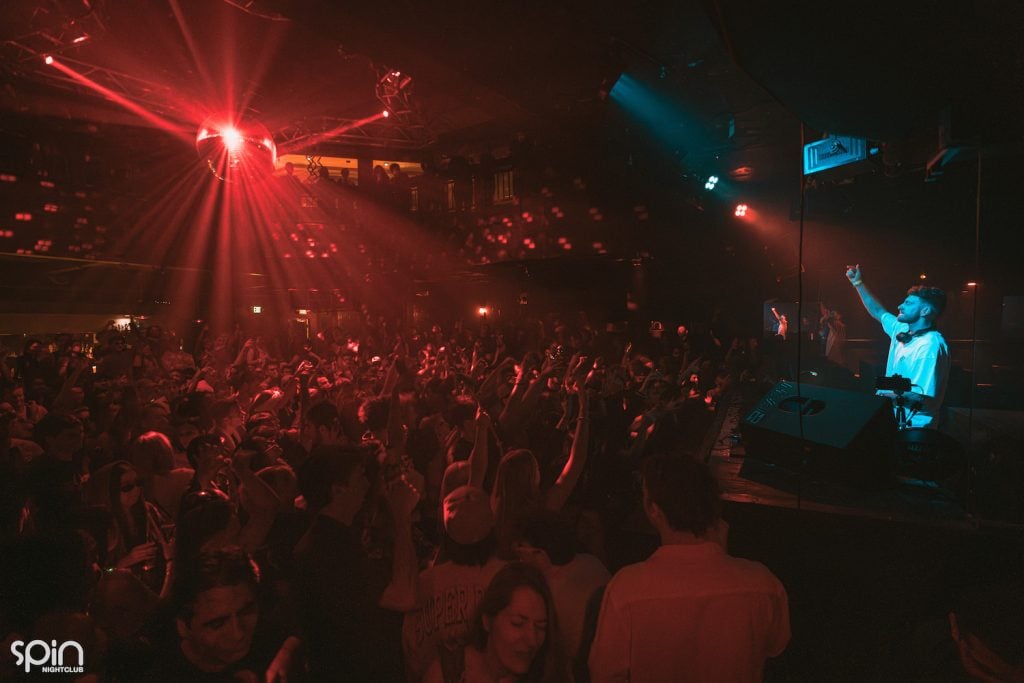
<point>48,657</point>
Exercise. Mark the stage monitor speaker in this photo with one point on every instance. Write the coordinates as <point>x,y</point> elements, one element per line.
<point>847,436</point>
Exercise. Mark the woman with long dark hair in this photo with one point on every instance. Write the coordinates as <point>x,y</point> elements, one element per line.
<point>135,540</point>
<point>514,635</point>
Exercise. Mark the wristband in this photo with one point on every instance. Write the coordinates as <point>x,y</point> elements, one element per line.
<point>857,282</point>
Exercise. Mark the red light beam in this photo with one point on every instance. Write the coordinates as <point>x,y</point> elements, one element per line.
<point>157,121</point>
<point>191,43</point>
<point>307,142</point>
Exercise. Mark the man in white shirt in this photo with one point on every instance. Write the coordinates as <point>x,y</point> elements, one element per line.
<point>690,612</point>
<point>917,350</point>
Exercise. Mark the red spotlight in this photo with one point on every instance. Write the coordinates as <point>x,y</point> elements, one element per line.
<point>48,59</point>
<point>482,311</point>
<point>385,113</point>
<point>742,172</point>
<point>741,210</point>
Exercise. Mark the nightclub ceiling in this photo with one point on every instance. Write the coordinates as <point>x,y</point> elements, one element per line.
<point>478,69</point>
<point>871,69</point>
<point>931,84</point>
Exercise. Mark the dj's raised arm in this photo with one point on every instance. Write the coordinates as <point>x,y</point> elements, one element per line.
<point>874,306</point>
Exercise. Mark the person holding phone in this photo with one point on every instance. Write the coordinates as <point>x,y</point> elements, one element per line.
<point>135,539</point>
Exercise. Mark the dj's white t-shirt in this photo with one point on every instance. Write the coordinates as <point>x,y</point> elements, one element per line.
<point>925,361</point>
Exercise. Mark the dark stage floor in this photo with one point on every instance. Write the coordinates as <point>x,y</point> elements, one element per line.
<point>871,573</point>
<point>996,492</point>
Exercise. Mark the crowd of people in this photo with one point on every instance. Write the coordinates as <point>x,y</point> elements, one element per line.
<point>437,504</point>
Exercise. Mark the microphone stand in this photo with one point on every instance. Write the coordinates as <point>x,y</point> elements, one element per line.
<point>898,385</point>
<point>902,421</point>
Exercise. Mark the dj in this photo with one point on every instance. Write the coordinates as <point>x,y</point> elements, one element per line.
<point>917,350</point>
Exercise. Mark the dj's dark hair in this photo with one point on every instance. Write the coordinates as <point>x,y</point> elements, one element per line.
<point>933,296</point>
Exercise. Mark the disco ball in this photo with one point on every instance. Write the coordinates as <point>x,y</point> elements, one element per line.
<point>236,149</point>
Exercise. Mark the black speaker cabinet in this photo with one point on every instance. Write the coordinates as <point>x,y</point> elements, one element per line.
<point>825,433</point>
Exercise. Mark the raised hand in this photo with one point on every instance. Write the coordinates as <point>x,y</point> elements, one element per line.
<point>528,365</point>
<point>483,419</point>
<point>853,274</point>
<point>284,662</point>
<point>576,376</point>
<point>401,497</point>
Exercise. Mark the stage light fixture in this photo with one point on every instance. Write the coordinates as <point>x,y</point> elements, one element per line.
<point>393,90</point>
<point>385,113</point>
<point>482,311</point>
<point>741,210</point>
<point>742,173</point>
<point>48,59</point>
<point>711,182</point>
